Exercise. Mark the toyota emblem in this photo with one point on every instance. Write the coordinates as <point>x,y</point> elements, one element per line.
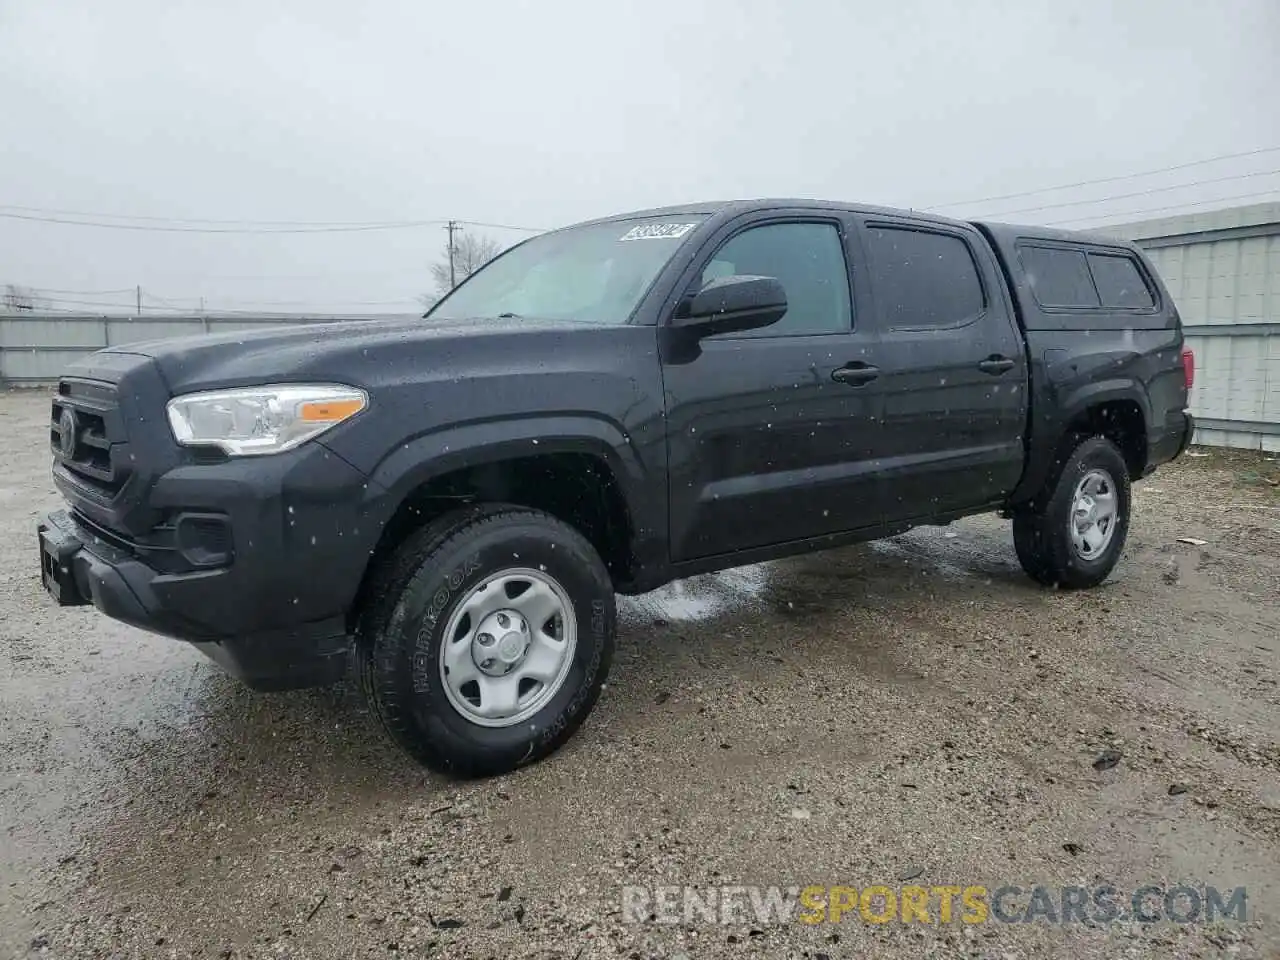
<point>67,432</point>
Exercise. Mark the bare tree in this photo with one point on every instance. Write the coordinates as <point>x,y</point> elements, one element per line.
<point>471,251</point>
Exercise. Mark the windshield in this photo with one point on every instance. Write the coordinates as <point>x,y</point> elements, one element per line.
<point>592,274</point>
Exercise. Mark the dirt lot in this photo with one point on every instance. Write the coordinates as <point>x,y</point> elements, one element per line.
<point>909,710</point>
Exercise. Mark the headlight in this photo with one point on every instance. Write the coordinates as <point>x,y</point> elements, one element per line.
<point>257,420</point>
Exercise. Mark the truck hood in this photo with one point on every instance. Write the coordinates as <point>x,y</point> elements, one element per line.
<point>354,352</point>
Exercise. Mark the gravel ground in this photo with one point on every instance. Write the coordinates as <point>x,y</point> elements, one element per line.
<point>911,709</point>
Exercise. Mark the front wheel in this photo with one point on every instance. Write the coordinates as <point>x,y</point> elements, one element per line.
<point>1072,534</point>
<point>487,639</point>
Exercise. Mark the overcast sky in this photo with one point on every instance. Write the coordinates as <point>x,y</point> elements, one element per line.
<point>541,113</point>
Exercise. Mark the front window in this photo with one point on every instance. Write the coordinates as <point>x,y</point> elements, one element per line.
<point>591,274</point>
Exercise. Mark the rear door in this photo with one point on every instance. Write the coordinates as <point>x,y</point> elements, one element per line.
<point>953,369</point>
<point>771,432</point>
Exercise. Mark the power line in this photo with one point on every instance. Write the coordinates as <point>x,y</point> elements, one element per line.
<point>317,306</point>
<point>198,220</point>
<point>147,227</point>
<point>1126,196</point>
<point>1174,207</point>
<point>1115,179</point>
<point>502,226</point>
<point>127,311</point>
<point>232,312</point>
<point>42,293</point>
<point>163,303</point>
<point>87,303</point>
<point>199,225</point>
<point>87,293</point>
<point>310,303</point>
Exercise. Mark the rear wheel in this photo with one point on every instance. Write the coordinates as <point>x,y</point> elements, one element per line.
<point>487,639</point>
<point>1073,533</point>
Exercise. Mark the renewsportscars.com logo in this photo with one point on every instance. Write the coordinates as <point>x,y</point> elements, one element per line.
<point>943,904</point>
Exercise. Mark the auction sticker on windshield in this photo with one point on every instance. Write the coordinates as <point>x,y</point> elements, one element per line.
<point>658,231</point>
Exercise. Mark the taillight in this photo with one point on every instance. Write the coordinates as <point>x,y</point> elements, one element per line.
<point>1189,367</point>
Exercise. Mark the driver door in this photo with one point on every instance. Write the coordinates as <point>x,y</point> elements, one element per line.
<point>769,438</point>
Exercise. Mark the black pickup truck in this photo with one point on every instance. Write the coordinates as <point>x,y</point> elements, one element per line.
<point>452,502</point>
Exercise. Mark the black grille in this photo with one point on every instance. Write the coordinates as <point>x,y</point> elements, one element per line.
<point>86,435</point>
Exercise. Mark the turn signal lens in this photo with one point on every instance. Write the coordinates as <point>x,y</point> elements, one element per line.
<point>330,411</point>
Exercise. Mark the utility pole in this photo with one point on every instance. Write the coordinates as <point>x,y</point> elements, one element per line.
<point>452,227</point>
<point>138,291</point>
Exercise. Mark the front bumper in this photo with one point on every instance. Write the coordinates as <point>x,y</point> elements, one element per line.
<point>78,571</point>
<point>273,610</point>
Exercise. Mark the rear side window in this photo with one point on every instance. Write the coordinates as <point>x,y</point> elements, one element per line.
<point>1120,283</point>
<point>924,279</point>
<point>1058,277</point>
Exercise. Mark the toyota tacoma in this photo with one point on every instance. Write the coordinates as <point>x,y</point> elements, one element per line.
<point>450,503</point>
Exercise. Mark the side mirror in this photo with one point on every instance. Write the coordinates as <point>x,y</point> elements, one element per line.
<point>732,304</point>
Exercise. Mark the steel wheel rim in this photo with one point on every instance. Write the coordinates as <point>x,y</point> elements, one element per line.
<point>1095,511</point>
<point>508,646</point>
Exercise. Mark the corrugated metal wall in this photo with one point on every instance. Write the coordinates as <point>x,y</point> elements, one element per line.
<point>34,349</point>
<point>1237,394</point>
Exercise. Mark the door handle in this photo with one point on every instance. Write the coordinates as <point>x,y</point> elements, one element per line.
<point>855,374</point>
<point>996,365</point>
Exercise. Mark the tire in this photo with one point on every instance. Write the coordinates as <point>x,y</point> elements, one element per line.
<point>429,587</point>
<point>1043,529</point>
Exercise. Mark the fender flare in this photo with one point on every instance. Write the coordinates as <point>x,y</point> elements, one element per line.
<point>1047,434</point>
<point>1095,394</point>
<point>463,445</point>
